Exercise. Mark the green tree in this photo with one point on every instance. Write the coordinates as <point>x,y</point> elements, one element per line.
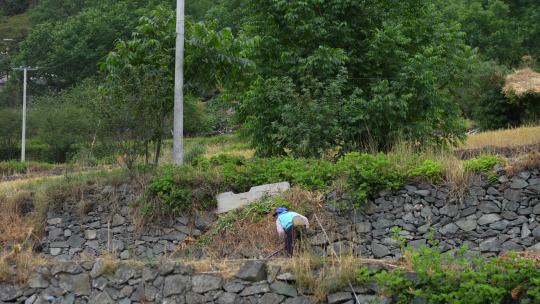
<point>233,14</point>
<point>491,27</point>
<point>390,69</point>
<point>141,76</point>
<point>55,10</point>
<point>13,7</point>
<point>69,38</point>
<point>63,120</point>
<point>10,132</point>
<point>197,9</point>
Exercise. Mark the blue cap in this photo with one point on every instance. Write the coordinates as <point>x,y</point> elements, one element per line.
<point>280,210</point>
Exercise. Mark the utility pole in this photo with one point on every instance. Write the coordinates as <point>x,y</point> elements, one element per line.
<point>23,139</point>
<point>178,125</point>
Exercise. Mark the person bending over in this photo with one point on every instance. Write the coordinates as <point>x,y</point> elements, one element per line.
<point>286,223</point>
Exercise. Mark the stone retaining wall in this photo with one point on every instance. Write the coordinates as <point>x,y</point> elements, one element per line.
<point>492,218</point>
<point>108,225</point>
<point>170,282</point>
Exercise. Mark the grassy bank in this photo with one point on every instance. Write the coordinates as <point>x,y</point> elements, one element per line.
<point>505,138</point>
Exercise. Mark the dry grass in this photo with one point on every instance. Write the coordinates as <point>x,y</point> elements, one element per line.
<point>505,138</point>
<point>248,236</point>
<point>17,265</point>
<point>110,262</point>
<point>226,268</point>
<point>521,83</point>
<point>454,173</point>
<point>229,144</point>
<point>16,222</point>
<point>323,276</point>
<point>456,176</point>
<point>24,203</point>
<point>524,163</point>
<point>217,150</point>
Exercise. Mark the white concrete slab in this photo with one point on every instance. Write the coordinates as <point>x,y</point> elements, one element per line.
<point>229,201</point>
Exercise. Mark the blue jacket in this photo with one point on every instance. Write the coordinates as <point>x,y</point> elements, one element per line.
<point>286,219</point>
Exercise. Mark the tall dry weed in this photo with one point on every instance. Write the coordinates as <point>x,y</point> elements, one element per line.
<point>515,137</point>
<point>455,175</point>
<point>524,163</point>
<point>324,275</point>
<point>17,265</point>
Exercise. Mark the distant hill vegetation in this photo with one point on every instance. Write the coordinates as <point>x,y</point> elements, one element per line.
<point>14,7</point>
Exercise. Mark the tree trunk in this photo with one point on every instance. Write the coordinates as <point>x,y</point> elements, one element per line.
<point>158,151</point>
<point>146,152</point>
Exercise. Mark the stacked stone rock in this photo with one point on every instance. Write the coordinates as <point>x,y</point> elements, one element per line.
<point>493,218</point>
<point>70,235</point>
<point>90,282</point>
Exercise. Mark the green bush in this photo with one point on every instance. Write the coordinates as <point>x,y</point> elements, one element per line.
<point>482,163</point>
<point>10,133</point>
<point>13,7</point>
<point>193,152</point>
<point>428,169</point>
<point>368,173</point>
<point>219,160</point>
<point>16,167</point>
<point>308,173</point>
<point>197,120</point>
<point>12,167</point>
<point>455,278</point>
<point>364,175</point>
<point>179,189</point>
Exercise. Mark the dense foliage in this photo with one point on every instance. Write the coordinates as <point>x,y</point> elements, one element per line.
<point>304,78</point>
<point>10,131</point>
<point>68,51</point>
<point>361,174</point>
<point>503,30</point>
<point>482,163</point>
<point>454,277</point>
<point>140,75</point>
<point>13,7</point>
<point>345,73</point>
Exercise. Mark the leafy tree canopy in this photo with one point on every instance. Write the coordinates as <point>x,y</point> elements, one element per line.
<point>70,37</point>
<point>13,7</point>
<point>347,73</point>
<point>141,72</point>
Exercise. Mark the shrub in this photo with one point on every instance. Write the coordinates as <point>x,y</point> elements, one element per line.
<point>482,163</point>
<point>179,189</point>
<point>197,121</point>
<point>10,132</point>
<point>16,167</point>
<point>429,169</point>
<point>14,7</point>
<point>194,152</point>
<point>12,167</point>
<point>452,277</point>
<point>219,160</point>
<point>63,120</point>
<point>308,173</point>
<point>367,174</point>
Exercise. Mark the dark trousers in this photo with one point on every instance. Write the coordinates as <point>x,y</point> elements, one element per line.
<point>289,239</point>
